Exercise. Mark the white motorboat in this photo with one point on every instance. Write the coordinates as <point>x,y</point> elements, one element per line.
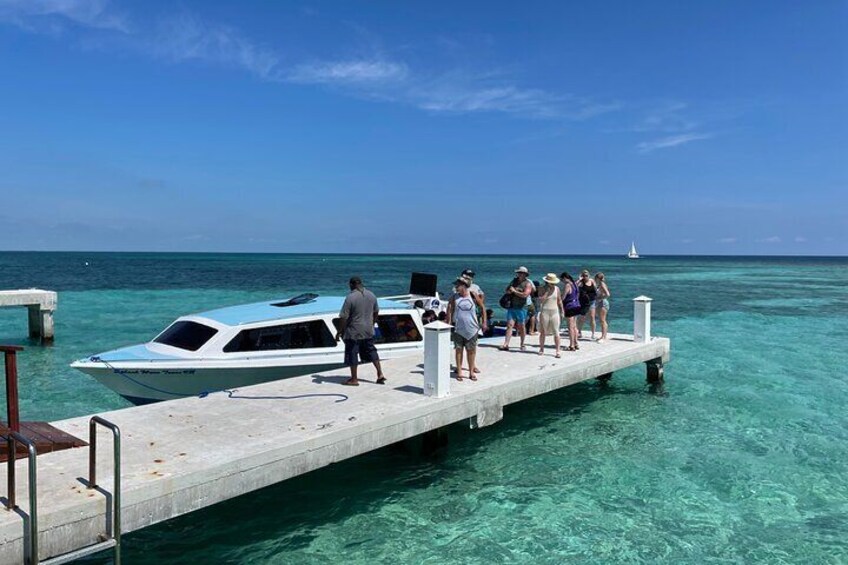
<point>249,344</point>
<point>632,253</point>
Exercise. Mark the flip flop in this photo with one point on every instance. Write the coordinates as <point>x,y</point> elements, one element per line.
<point>381,380</point>
<point>351,383</point>
<point>473,377</point>
<point>502,348</point>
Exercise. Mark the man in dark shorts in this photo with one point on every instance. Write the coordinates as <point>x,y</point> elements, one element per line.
<point>356,327</point>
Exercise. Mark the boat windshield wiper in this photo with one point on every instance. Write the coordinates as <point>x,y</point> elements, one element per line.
<point>304,298</point>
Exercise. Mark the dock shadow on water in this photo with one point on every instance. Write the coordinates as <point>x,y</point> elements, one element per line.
<point>290,517</point>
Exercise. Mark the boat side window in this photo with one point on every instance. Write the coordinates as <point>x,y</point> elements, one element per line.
<point>392,328</point>
<point>300,335</point>
<point>186,335</point>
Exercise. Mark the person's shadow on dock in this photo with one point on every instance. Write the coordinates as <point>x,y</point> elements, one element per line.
<point>337,379</point>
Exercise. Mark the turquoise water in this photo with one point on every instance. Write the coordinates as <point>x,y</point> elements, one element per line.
<point>741,458</point>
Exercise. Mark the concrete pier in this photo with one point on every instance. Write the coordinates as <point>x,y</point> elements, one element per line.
<point>40,303</point>
<point>182,455</point>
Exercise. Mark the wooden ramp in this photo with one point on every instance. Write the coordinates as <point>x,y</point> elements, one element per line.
<point>182,455</point>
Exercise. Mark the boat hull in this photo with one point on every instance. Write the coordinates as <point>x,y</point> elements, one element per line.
<point>146,382</point>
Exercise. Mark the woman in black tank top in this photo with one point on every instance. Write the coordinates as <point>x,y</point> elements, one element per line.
<point>587,303</point>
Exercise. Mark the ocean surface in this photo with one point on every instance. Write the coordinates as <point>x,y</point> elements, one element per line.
<point>741,458</point>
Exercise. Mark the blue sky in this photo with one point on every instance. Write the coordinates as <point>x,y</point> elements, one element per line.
<point>473,127</point>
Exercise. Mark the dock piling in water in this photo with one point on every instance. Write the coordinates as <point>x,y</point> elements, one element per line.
<point>40,305</point>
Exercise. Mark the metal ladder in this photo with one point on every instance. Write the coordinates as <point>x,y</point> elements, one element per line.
<point>112,539</point>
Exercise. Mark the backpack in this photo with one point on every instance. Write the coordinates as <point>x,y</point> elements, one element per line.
<point>506,301</point>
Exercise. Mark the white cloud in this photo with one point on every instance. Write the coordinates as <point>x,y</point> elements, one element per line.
<point>43,15</point>
<point>667,117</point>
<point>462,93</point>
<point>509,99</point>
<point>345,72</point>
<point>186,37</point>
<point>728,240</point>
<point>800,239</point>
<point>772,239</point>
<point>671,141</point>
<point>451,92</point>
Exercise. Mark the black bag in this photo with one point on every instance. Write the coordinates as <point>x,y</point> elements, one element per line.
<point>506,300</point>
<point>584,296</point>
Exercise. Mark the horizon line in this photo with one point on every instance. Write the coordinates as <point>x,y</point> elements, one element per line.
<point>419,254</point>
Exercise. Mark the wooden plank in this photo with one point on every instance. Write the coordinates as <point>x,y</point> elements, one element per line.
<point>45,437</point>
<point>55,435</point>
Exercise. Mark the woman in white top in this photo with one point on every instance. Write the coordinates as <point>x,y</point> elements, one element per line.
<point>550,313</point>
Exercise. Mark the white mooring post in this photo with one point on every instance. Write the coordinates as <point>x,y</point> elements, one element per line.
<point>642,319</point>
<point>437,352</point>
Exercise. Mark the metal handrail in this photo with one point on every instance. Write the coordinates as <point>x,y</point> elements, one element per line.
<point>13,439</point>
<point>92,474</point>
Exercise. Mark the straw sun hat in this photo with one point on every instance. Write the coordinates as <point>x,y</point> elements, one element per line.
<point>551,278</point>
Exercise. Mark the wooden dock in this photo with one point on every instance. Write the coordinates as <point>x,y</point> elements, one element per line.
<point>182,455</point>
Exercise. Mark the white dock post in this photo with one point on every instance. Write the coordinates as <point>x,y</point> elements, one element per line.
<point>642,319</point>
<point>437,352</point>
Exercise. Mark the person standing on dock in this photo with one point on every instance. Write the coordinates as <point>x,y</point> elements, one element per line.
<point>476,292</point>
<point>516,313</point>
<point>550,313</point>
<point>462,313</point>
<point>602,304</point>
<point>571,306</point>
<point>588,292</point>
<point>356,326</point>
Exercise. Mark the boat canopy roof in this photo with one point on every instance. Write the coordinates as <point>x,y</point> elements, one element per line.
<point>261,311</point>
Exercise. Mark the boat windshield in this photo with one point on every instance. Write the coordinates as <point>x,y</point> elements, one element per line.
<point>186,335</point>
<point>299,299</point>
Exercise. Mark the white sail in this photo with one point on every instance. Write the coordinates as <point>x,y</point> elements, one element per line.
<point>632,253</point>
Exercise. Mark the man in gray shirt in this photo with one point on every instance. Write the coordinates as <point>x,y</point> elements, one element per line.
<point>356,327</point>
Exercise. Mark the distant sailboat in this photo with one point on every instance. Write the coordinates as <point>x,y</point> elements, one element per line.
<point>632,253</point>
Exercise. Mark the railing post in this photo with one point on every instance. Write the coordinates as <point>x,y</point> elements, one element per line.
<point>437,359</point>
<point>14,439</point>
<point>92,474</point>
<point>12,414</point>
<point>642,319</point>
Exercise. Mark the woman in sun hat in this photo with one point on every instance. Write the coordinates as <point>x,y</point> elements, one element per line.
<point>516,305</point>
<point>550,314</point>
